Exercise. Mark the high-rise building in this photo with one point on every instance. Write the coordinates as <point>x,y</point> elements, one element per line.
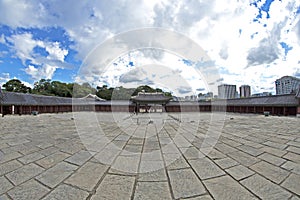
<point>245,91</point>
<point>287,85</point>
<point>226,91</point>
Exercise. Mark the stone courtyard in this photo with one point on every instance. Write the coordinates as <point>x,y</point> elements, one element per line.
<point>149,156</point>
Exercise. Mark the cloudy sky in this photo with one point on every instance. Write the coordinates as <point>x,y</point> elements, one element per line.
<point>249,41</point>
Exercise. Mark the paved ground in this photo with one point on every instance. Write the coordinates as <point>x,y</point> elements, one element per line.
<point>149,157</point>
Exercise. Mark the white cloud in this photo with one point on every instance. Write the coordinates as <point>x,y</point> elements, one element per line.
<point>55,52</point>
<point>4,77</point>
<point>168,72</point>
<point>24,46</point>
<point>45,71</point>
<point>2,39</point>
<point>20,13</point>
<point>225,29</point>
<point>135,75</point>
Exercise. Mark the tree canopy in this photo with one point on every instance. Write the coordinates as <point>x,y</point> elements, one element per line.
<point>15,85</point>
<point>53,88</point>
<point>57,88</point>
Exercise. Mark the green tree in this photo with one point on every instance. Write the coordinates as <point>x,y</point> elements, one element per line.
<point>15,85</point>
<point>42,87</point>
<point>60,89</point>
<point>143,88</point>
<point>82,90</point>
<point>53,88</point>
<point>121,93</point>
<point>104,92</point>
<point>168,94</point>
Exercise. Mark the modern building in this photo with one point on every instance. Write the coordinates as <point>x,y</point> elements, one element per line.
<point>226,91</point>
<point>287,85</point>
<point>245,91</point>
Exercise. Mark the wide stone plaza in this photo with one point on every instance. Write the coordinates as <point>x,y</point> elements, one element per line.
<point>149,156</point>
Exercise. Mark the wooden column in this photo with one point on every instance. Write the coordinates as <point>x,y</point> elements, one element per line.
<point>137,108</point>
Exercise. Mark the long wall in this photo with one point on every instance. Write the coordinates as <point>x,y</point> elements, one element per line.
<point>28,109</point>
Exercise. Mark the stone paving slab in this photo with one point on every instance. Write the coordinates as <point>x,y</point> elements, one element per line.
<point>227,188</point>
<point>153,176</point>
<point>275,160</point>
<point>152,190</point>
<point>292,183</point>
<point>239,172</point>
<point>4,197</point>
<point>115,187</point>
<point>226,162</point>
<point>264,188</point>
<point>55,175</point>
<point>28,190</point>
<point>52,159</point>
<point>291,166</point>
<point>84,179</point>
<point>31,158</point>
<point>255,157</point>
<point>5,185</point>
<point>271,172</point>
<point>66,192</point>
<point>205,168</point>
<point>79,158</point>
<point>24,173</point>
<point>293,157</point>
<point>9,166</point>
<point>184,183</point>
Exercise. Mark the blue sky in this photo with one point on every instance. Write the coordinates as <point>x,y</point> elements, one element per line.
<point>250,41</point>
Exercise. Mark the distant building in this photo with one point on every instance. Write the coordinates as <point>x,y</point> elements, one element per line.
<point>237,95</point>
<point>209,96</point>
<point>205,97</point>
<point>245,91</point>
<point>226,91</point>
<point>263,94</point>
<point>193,98</point>
<point>287,85</point>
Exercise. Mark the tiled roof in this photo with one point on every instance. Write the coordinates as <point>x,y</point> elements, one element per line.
<point>298,93</point>
<point>93,97</point>
<point>275,100</point>
<point>151,97</point>
<point>12,98</point>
